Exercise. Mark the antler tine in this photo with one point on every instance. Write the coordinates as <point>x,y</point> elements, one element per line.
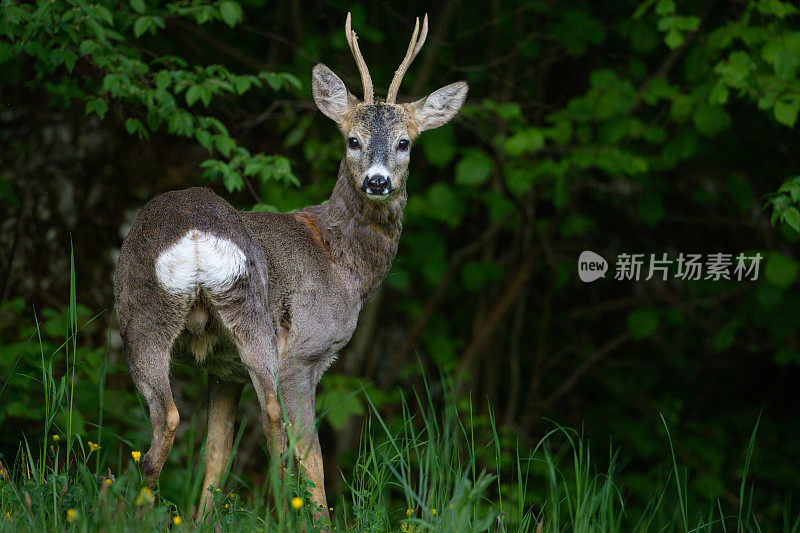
<point>417,40</point>
<point>422,36</point>
<point>366,80</point>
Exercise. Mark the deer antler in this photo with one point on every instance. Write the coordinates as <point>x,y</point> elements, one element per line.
<point>417,40</point>
<point>366,81</point>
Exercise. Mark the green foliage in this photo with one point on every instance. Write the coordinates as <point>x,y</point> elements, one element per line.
<point>642,323</point>
<point>340,400</point>
<point>780,270</point>
<point>474,168</point>
<point>149,92</point>
<point>23,350</point>
<point>786,204</point>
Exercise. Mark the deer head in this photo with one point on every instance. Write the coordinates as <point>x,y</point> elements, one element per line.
<point>379,134</point>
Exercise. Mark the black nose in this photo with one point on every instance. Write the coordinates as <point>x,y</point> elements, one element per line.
<point>377,184</point>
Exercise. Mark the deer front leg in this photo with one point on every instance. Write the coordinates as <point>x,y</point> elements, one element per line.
<point>223,399</point>
<point>299,401</point>
<point>309,455</point>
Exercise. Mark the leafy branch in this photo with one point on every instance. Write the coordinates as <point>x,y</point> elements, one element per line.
<point>151,92</point>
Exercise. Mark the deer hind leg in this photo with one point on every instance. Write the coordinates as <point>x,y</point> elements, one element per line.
<point>273,425</point>
<point>264,385</point>
<point>150,372</point>
<point>251,328</point>
<point>147,343</point>
<point>223,399</point>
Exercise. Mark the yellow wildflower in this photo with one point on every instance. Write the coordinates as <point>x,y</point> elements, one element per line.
<point>297,503</point>
<point>136,456</point>
<point>56,437</point>
<point>433,511</point>
<point>109,481</point>
<point>145,497</point>
<point>72,515</point>
<point>176,520</point>
<point>409,512</point>
<point>232,495</point>
<point>93,447</point>
<point>227,505</point>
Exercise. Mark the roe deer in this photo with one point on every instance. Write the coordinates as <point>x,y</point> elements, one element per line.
<point>270,298</point>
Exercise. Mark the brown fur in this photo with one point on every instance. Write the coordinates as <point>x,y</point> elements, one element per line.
<point>311,223</point>
<point>412,124</point>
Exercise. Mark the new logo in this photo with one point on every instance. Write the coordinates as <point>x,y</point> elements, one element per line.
<point>591,266</point>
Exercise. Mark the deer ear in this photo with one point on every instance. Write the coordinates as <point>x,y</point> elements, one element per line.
<point>439,107</point>
<point>330,94</point>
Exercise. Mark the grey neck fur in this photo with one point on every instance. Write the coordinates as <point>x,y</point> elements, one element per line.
<point>362,234</point>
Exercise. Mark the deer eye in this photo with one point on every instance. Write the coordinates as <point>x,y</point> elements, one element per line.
<point>403,145</point>
<point>352,142</point>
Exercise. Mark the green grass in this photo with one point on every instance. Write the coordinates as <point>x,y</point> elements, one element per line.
<point>427,461</point>
<point>437,466</point>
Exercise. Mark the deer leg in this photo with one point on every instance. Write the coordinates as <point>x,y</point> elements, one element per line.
<point>252,331</point>
<point>223,399</point>
<point>299,399</point>
<point>309,455</point>
<point>273,427</point>
<point>147,342</point>
<point>150,373</point>
<point>271,421</point>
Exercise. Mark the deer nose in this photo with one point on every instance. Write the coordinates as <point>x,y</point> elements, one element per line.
<point>378,184</point>
<point>378,181</point>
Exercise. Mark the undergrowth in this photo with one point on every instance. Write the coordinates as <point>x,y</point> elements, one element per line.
<point>435,467</point>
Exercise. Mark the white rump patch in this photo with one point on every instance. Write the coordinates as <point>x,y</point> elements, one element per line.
<point>200,259</point>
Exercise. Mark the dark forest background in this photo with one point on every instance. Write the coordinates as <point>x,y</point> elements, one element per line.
<point>617,127</point>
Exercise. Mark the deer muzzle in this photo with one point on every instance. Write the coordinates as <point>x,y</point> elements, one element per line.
<point>377,185</point>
